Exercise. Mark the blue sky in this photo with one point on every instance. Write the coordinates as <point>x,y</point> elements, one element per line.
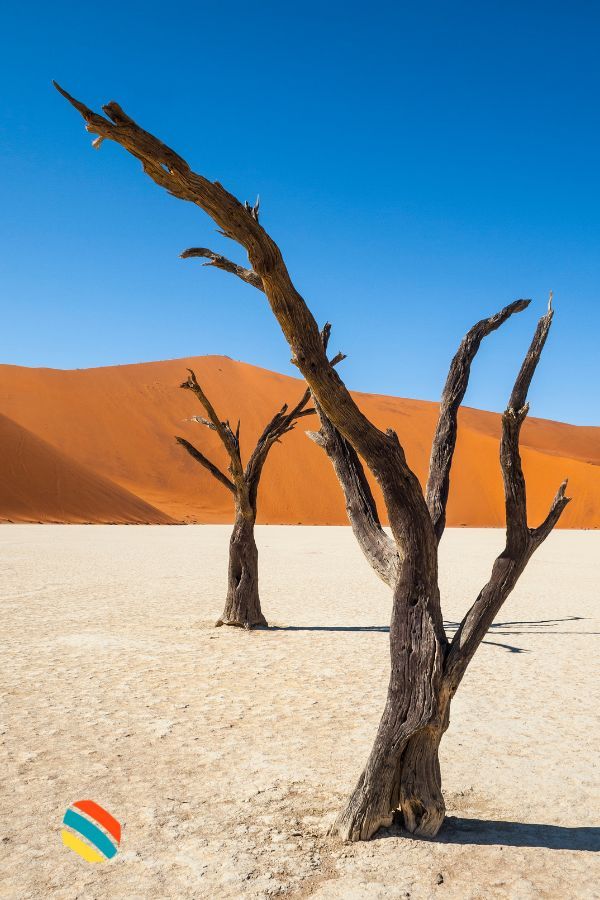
<point>420,165</point>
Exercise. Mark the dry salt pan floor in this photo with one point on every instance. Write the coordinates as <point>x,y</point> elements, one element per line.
<point>226,755</point>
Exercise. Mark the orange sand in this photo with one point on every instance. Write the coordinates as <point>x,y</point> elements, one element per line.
<point>96,445</point>
<point>41,484</point>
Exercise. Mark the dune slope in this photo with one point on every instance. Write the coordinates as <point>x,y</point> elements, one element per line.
<point>119,423</point>
<point>41,484</point>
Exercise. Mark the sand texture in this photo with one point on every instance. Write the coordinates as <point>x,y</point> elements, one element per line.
<point>226,754</point>
<point>118,424</point>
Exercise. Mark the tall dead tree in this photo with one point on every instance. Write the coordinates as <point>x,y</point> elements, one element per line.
<point>242,604</point>
<point>402,771</point>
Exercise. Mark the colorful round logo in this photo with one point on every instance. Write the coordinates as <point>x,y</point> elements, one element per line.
<point>101,831</point>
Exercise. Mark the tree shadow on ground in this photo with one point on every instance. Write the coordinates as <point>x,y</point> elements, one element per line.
<point>363,628</point>
<point>490,832</point>
<point>539,626</point>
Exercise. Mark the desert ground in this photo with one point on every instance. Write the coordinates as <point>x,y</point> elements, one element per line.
<point>226,754</point>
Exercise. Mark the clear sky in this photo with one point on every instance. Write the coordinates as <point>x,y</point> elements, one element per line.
<point>420,165</point>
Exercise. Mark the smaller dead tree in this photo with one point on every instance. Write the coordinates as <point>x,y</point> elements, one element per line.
<point>242,604</point>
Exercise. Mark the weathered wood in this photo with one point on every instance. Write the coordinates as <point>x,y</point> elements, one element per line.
<point>444,440</point>
<point>242,604</point>
<point>521,541</point>
<point>221,262</point>
<point>381,450</point>
<point>379,550</point>
<point>403,767</point>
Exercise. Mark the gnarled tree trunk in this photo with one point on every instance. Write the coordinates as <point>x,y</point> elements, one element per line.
<point>417,650</point>
<point>420,798</point>
<point>242,605</point>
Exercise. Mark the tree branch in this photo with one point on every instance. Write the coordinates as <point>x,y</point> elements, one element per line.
<point>521,541</point>
<point>377,547</point>
<point>282,422</point>
<point>223,429</point>
<point>221,262</point>
<point>246,275</point>
<point>540,533</point>
<point>199,457</point>
<point>444,441</point>
<point>202,421</point>
<point>517,533</point>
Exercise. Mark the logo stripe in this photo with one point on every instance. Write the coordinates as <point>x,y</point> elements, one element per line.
<point>90,831</point>
<point>84,850</point>
<point>104,818</point>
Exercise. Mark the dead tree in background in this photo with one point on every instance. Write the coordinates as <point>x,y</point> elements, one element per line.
<point>242,604</point>
<point>403,769</point>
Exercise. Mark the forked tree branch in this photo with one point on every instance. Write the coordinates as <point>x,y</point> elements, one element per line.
<point>444,441</point>
<point>379,550</point>
<point>521,541</point>
<point>245,481</point>
<point>518,536</point>
<point>281,423</point>
<point>223,429</point>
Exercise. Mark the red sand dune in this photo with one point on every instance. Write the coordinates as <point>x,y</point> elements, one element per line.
<point>41,484</point>
<point>96,445</point>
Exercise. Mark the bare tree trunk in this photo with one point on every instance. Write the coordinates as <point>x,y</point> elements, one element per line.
<point>417,654</point>
<point>421,800</point>
<point>242,605</point>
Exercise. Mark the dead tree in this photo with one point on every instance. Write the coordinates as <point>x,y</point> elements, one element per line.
<point>242,604</point>
<point>402,771</point>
